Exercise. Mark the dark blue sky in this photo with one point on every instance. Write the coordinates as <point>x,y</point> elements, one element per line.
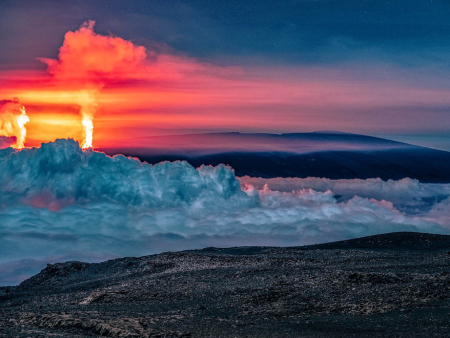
<point>408,33</point>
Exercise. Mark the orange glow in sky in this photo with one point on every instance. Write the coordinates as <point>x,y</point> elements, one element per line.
<point>105,91</point>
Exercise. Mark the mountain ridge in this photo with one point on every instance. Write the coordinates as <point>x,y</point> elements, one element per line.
<point>403,240</point>
<point>334,156</point>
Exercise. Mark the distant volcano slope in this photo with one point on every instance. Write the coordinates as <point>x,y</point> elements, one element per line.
<point>324,154</point>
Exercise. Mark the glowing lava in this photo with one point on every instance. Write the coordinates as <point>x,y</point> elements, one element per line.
<point>88,132</point>
<point>22,119</point>
<point>88,105</point>
<point>13,118</point>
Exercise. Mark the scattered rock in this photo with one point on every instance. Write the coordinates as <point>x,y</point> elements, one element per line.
<point>241,292</point>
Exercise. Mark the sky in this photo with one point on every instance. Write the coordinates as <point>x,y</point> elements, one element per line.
<point>147,68</point>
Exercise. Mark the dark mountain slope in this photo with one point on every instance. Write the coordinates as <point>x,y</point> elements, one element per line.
<point>335,156</point>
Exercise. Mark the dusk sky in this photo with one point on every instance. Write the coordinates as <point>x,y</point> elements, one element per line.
<point>150,68</point>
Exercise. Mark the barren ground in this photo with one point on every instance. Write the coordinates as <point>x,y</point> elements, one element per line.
<point>393,285</point>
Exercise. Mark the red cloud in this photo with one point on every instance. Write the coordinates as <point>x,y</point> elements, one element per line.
<point>88,56</point>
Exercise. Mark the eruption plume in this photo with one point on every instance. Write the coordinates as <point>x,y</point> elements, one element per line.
<point>87,62</point>
<point>12,121</point>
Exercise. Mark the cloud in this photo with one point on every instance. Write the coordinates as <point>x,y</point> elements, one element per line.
<point>6,141</point>
<point>87,56</point>
<point>98,60</point>
<point>406,194</point>
<point>58,202</point>
<point>60,172</point>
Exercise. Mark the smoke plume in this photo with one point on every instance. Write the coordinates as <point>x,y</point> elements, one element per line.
<point>12,123</point>
<point>86,61</point>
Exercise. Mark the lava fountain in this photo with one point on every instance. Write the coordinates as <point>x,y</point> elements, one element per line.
<point>13,118</point>
<point>88,105</point>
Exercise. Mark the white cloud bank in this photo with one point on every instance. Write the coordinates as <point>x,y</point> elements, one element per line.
<point>58,203</point>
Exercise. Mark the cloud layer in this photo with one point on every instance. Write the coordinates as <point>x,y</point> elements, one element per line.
<point>58,202</point>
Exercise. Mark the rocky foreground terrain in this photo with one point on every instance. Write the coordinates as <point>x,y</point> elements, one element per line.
<point>393,285</point>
